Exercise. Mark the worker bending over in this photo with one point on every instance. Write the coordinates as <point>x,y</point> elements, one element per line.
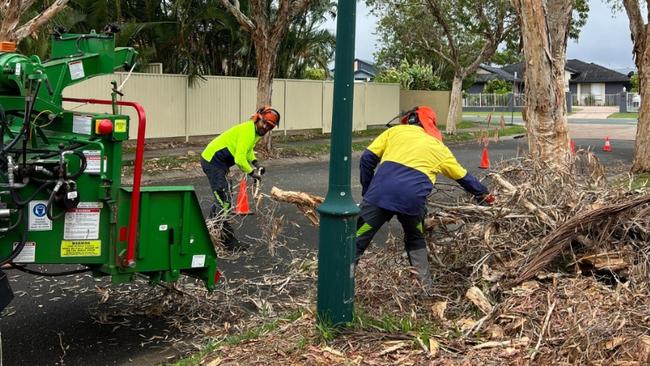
<point>235,147</point>
<point>407,159</point>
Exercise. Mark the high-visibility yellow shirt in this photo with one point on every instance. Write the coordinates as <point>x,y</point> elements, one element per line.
<point>233,147</point>
<point>409,160</point>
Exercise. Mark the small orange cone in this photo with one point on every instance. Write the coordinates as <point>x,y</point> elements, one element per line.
<point>241,206</point>
<point>573,147</point>
<point>608,146</point>
<point>485,161</point>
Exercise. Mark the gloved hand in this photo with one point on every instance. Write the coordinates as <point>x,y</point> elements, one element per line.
<point>257,173</point>
<point>487,199</point>
<point>257,165</point>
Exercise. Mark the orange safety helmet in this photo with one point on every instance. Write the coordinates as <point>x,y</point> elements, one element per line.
<point>424,116</point>
<point>268,114</point>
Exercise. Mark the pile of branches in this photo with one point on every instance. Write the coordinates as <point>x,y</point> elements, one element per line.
<point>555,272</point>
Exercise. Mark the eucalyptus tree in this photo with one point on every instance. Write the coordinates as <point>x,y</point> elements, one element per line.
<point>461,33</point>
<point>640,32</point>
<point>268,24</point>
<point>545,27</point>
<point>13,24</point>
<point>471,33</point>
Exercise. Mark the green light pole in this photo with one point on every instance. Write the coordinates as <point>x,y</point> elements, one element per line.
<point>338,212</point>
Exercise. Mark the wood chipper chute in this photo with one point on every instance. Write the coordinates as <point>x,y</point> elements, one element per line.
<point>61,199</point>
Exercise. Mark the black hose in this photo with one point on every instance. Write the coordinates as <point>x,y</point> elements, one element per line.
<point>22,242</point>
<point>82,167</point>
<point>20,202</point>
<point>27,120</point>
<point>46,274</point>
<point>49,210</point>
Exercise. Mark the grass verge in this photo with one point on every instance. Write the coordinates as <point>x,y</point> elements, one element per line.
<point>623,115</point>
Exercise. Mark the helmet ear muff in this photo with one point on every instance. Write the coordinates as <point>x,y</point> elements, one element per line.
<point>258,114</point>
<point>413,119</point>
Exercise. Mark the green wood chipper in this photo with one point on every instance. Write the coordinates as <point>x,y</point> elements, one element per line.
<point>61,199</point>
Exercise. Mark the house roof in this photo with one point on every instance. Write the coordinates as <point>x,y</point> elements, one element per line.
<point>593,73</point>
<point>362,69</point>
<point>582,72</point>
<point>365,66</point>
<point>494,73</point>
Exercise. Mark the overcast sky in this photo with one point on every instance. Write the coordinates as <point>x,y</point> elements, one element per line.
<point>604,40</point>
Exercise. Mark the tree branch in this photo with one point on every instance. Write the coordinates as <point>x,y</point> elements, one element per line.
<point>245,23</point>
<point>38,21</point>
<point>636,28</point>
<point>437,13</point>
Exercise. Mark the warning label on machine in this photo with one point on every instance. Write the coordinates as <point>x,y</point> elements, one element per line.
<point>93,161</point>
<point>81,248</point>
<point>38,220</point>
<point>76,70</point>
<point>82,222</point>
<point>28,254</point>
<point>81,124</point>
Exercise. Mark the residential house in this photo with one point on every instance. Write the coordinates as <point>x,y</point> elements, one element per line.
<point>588,82</point>
<point>363,70</point>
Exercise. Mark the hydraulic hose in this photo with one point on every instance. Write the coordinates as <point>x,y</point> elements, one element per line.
<point>50,202</point>
<point>22,242</point>
<point>20,202</point>
<point>82,167</point>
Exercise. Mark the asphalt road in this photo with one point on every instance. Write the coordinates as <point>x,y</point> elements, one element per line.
<point>56,321</point>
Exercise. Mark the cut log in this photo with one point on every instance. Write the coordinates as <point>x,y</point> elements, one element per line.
<point>305,202</point>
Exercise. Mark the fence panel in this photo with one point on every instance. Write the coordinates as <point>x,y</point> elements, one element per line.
<point>382,103</point>
<point>305,109</point>
<point>213,105</point>
<point>633,101</point>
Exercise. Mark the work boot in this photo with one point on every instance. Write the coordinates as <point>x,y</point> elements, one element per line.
<point>419,260</point>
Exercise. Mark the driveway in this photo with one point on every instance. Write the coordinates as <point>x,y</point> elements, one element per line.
<point>592,112</point>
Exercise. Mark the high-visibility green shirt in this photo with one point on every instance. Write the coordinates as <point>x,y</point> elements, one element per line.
<point>233,147</point>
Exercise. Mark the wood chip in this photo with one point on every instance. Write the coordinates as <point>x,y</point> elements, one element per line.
<point>476,296</point>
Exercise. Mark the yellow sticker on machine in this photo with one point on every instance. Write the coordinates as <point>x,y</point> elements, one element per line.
<point>81,248</point>
<point>120,125</point>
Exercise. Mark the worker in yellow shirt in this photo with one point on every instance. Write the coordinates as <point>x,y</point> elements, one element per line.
<point>235,147</point>
<point>407,159</point>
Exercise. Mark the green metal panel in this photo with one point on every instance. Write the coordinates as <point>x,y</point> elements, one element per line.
<point>337,229</point>
<point>171,235</point>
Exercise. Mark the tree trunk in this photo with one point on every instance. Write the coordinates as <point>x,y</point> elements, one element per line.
<point>454,103</point>
<point>640,34</point>
<point>266,57</point>
<point>544,30</point>
<point>641,163</point>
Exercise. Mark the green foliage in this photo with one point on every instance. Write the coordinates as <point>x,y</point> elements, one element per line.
<point>411,77</point>
<point>507,56</point>
<point>315,73</point>
<point>193,37</point>
<point>635,83</point>
<point>497,86</point>
<point>412,31</point>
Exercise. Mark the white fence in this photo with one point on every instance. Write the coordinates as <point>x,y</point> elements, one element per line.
<point>213,105</point>
<point>592,100</point>
<point>492,100</point>
<point>633,101</point>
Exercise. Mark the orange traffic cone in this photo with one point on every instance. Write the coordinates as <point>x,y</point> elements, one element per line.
<point>608,146</point>
<point>241,206</point>
<point>485,161</point>
<point>573,147</point>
